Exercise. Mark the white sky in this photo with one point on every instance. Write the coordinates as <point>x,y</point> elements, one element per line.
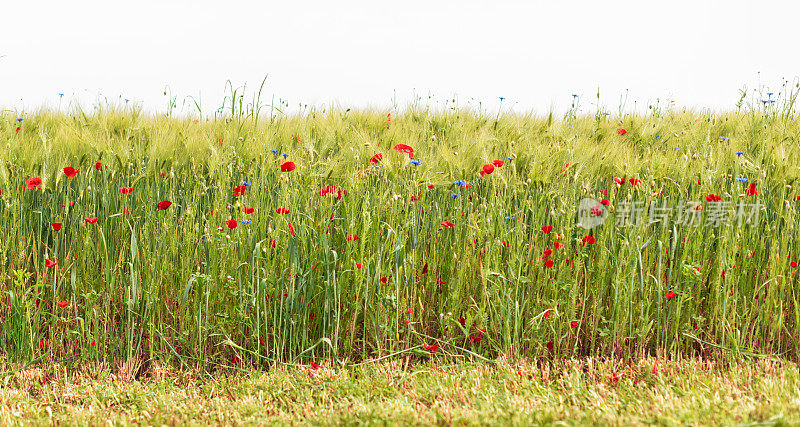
<point>362,53</point>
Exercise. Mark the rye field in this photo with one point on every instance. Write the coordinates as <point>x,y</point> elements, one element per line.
<point>247,241</point>
<point>335,242</point>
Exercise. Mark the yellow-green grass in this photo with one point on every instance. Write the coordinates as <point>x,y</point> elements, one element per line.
<point>687,392</point>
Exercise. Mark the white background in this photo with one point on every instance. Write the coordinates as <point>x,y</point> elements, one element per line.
<point>365,53</point>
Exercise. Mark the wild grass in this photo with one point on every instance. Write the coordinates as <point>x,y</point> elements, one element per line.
<point>516,392</point>
<point>143,285</point>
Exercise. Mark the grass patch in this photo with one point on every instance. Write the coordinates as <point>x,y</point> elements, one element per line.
<point>575,392</point>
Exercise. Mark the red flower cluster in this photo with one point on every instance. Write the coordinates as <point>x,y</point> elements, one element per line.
<point>239,190</point>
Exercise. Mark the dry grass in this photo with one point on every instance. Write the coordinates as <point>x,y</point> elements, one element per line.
<point>505,392</point>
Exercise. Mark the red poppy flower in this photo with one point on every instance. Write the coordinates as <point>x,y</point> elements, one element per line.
<point>232,223</point>
<point>476,338</point>
<point>405,149</point>
<point>431,348</point>
<point>634,181</point>
<point>63,304</point>
<point>288,167</point>
<point>64,206</point>
<point>282,211</point>
<point>546,253</point>
<point>619,181</point>
<point>17,129</point>
<point>549,263</point>
<point>605,202</point>
<point>93,344</point>
<point>588,240</point>
<point>793,264</point>
<point>312,316</point>
<point>374,160</point>
<point>314,366</point>
<point>751,190</point>
<point>498,163</point>
<point>90,219</point>
<point>425,268</point>
<point>447,224</point>
<point>573,324</point>
<point>358,266</point>
<point>505,244</point>
<point>162,174</point>
<point>603,191</point>
<point>42,342</point>
<point>56,225</point>
<point>291,229</point>
<point>163,205</point>
<point>414,198</point>
<point>549,346</point>
<point>99,166</point>
<point>621,131</point>
<point>352,237</point>
<point>125,190</point>
<point>558,245</point>
<point>441,282</point>
<point>384,279</point>
<point>694,325</point>
<point>248,210</point>
<point>33,183</point>
<point>239,190</point>
<point>70,172</point>
<point>487,169</point>
<point>49,264</point>
<point>547,314</point>
<point>713,198</point>
<point>670,294</point>
<point>614,378</point>
<point>547,229</point>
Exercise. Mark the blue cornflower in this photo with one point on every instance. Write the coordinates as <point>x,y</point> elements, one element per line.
<point>274,152</point>
<point>606,114</point>
<point>738,153</point>
<point>247,184</point>
<point>126,100</point>
<point>724,138</point>
<point>510,159</point>
<point>741,179</point>
<point>771,101</point>
<point>764,101</point>
<point>658,136</point>
<point>574,95</point>
<point>247,221</point>
<point>285,156</point>
<point>460,182</point>
<point>454,195</point>
<point>60,94</point>
<point>770,94</point>
<point>416,162</point>
<point>19,119</point>
<point>502,98</point>
<point>509,218</point>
